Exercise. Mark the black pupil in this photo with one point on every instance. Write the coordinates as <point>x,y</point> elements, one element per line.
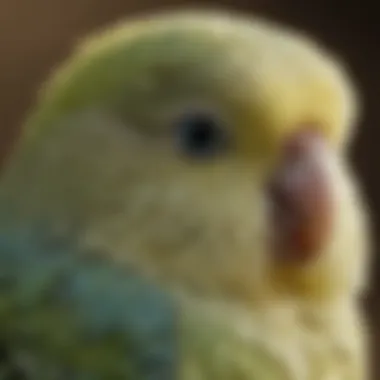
<point>201,134</point>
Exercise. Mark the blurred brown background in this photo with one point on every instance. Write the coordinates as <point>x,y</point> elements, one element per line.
<point>35,34</point>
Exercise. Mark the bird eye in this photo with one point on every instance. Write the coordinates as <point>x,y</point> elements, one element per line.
<point>200,134</point>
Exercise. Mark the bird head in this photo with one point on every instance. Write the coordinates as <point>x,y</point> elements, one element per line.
<point>207,150</point>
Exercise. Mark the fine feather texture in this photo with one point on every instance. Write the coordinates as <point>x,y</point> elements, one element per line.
<point>70,314</point>
<point>288,78</point>
<point>99,159</point>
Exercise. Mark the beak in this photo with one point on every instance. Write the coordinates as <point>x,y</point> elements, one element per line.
<point>301,195</point>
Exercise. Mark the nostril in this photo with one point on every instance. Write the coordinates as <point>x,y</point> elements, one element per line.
<point>300,140</point>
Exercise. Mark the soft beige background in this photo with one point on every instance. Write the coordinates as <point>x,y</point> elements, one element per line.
<point>35,34</point>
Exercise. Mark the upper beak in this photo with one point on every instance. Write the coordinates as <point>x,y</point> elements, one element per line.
<point>300,191</point>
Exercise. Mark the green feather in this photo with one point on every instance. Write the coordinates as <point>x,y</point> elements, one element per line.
<point>73,312</point>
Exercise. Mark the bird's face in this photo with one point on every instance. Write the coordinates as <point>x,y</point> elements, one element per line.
<point>217,164</point>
